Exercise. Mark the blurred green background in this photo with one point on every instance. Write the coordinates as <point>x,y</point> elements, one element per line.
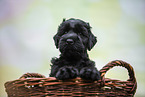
<point>27,28</point>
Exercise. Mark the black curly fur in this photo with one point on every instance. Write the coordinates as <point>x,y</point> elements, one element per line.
<point>73,39</point>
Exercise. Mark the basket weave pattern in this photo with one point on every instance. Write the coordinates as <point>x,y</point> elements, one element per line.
<point>36,85</point>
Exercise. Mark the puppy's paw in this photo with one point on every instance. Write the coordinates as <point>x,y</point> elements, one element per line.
<point>66,73</point>
<point>90,74</point>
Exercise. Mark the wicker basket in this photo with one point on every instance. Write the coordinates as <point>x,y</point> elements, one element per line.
<point>36,85</point>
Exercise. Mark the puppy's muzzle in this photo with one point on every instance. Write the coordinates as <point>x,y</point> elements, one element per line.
<point>70,38</point>
<point>69,41</point>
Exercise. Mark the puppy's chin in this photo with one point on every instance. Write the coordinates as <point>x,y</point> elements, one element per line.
<point>71,52</point>
<point>72,55</point>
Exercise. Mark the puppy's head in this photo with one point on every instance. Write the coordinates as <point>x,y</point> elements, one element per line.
<point>74,35</point>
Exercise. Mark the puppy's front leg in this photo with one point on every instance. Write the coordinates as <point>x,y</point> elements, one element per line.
<point>66,72</point>
<point>90,73</point>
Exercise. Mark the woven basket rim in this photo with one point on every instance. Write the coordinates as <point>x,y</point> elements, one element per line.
<point>30,79</point>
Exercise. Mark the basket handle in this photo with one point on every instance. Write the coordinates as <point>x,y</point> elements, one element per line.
<point>32,75</point>
<point>118,63</point>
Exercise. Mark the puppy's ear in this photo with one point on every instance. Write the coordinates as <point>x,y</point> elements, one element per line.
<point>57,37</point>
<point>63,20</point>
<point>56,40</point>
<point>92,39</point>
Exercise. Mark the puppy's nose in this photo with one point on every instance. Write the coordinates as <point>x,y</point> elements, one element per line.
<point>69,41</point>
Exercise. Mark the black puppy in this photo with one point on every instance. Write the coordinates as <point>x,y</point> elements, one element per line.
<point>73,39</point>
